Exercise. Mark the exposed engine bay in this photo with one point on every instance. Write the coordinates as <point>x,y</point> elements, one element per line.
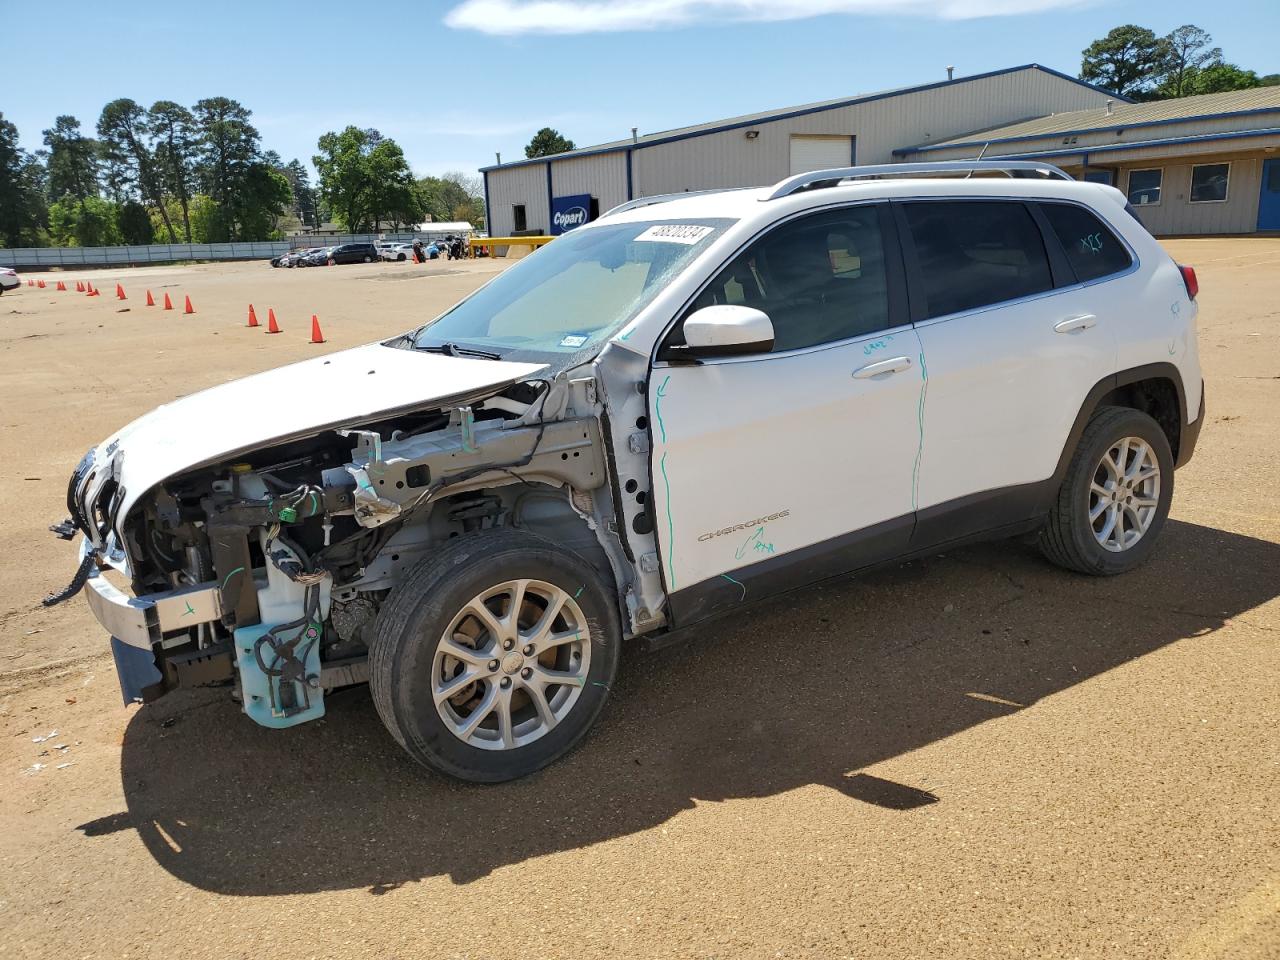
<point>281,557</point>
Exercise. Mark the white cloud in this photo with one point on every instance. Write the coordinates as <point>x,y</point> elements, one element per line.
<point>512,17</point>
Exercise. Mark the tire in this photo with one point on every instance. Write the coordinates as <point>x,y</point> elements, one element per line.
<point>1069,537</point>
<point>368,259</point>
<point>408,657</point>
<point>400,258</point>
<point>332,262</point>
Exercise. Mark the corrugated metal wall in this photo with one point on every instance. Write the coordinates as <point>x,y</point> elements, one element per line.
<point>603,177</point>
<point>728,159</point>
<point>527,185</point>
<point>1175,215</point>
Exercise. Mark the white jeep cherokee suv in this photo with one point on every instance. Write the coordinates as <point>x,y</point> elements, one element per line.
<point>691,404</point>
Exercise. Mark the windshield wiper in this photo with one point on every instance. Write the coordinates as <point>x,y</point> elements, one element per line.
<point>457,350</point>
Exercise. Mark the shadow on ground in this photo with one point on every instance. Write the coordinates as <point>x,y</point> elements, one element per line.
<point>809,690</point>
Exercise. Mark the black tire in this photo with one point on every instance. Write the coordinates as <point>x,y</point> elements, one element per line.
<point>420,608</point>
<point>1067,538</point>
<point>400,258</point>
<point>368,259</point>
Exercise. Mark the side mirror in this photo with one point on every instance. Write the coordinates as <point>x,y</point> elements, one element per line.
<point>725,331</point>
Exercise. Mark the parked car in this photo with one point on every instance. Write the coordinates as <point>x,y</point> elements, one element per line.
<point>316,257</point>
<point>291,258</point>
<point>397,251</point>
<point>353,253</point>
<point>8,279</point>
<point>742,393</point>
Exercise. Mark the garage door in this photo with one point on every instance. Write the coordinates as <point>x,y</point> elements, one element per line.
<point>820,153</point>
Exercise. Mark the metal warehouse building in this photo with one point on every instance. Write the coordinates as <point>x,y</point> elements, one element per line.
<point>525,196</point>
<point>1198,165</point>
<point>1191,166</point>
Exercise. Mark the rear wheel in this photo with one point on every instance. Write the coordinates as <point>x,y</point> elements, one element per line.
<point>494,657</point>
<point>1115,498</point>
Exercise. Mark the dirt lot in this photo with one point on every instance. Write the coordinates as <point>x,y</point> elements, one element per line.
<point>972,755</point>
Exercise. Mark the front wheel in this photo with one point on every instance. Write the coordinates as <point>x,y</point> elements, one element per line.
<point>494,657</point>
<point>1115,497</point>
<point>368,259</point>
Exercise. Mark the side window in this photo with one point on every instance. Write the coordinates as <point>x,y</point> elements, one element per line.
<point>1091,247</point>
<point>1209,182</point>
<point>976,252</point>
<point>820,278</point>
<point>518,218</point>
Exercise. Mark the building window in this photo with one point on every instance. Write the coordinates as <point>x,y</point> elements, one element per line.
<point>518,218</point>
<point>1144,187</point>
<point>1209,182</point>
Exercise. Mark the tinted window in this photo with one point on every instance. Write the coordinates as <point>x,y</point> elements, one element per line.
<point>518,217</point>
<point>1144,187</point>
<point>821,278</point>
<point>1209,182</point>
<point>1091,247</point>
<point>974,253</point>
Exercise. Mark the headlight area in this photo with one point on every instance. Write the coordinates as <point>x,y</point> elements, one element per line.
<point>292,550</point>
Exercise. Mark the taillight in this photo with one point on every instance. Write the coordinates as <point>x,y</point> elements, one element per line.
<point>1189,280</point>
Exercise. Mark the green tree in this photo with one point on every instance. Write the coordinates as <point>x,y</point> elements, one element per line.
<point>365,179</point>
<point>1188,50</point>
<point>73,160</point>
<point>1219,78</point>
<point>134,223</point>
<point>173,128</point>
<point>452,196</point>
<point>91,222</point>
<point>1129,61</point>
<point>23,212</point>
<point>229,149</point>
<point>546,142</point>
<point>262,196</point>
<point>304,198</point>
<point>123,130</point>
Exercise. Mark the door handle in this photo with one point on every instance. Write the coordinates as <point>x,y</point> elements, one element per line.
<point>882,368</point>
<point>1075,324</point>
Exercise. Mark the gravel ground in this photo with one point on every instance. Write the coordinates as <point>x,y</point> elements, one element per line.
<point>971,755</point>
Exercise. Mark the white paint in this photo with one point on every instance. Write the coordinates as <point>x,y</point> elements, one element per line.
<point>297,400</point>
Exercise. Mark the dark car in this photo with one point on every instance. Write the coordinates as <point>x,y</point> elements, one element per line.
<point>354,253</point>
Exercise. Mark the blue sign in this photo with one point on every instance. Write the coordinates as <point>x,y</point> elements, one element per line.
<point>569,212</point>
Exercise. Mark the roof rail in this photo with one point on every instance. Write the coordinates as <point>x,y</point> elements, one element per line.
<point>664,198</point>
<point>818,179</point>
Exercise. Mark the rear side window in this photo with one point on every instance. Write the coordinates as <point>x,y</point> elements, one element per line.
<point>973,253</point>
<point>1092,249</point>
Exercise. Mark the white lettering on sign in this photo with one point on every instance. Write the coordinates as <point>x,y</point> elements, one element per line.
<point>687,233</point>
<point>568,219</point>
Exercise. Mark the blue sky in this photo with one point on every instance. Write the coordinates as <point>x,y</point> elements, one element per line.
<point>453,81</point>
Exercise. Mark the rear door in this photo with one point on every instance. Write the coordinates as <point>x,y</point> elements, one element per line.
<point>1012,345</point>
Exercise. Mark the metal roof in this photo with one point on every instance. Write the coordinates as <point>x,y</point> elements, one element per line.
<point>782,113</point>
<point>1260,100</point>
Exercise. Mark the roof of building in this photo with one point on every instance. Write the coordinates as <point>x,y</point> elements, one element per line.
<point>782,113</point>
<point>1259,100</point>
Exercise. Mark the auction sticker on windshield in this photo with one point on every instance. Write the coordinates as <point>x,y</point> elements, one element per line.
<point>688,233</point>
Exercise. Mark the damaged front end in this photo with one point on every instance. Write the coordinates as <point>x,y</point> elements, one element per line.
<point>266,568</point>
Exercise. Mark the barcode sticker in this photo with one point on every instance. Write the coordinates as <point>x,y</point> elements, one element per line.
<point>687,233</point>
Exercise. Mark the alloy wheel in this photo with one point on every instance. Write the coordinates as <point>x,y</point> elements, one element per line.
<point>511,665</point>
<point>1124,494</point>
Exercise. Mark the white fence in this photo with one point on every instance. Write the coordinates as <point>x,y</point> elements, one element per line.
<point>46,257</point>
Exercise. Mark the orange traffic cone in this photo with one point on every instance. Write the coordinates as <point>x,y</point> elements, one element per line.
<point>151,301</point>
<point>120,293</point>
<point>168,304</point>
<point>188,308</point>
<point>253,317</point>
<point>79,286</point>
<point>31,283</point>
<point>61,285</point>
<point>272,326</point>
<point>316,335</point>
<point>88,289</point>
<point>40,284</point>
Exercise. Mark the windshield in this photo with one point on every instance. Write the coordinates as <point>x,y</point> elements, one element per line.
<point>571,295</point>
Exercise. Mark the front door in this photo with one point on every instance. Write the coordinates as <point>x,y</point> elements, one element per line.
<point>774,470</point>
<point>1269,198</point>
